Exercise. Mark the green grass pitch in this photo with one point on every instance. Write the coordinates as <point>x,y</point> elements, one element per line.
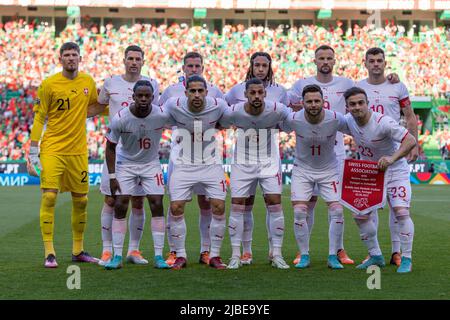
<point>22,275</point>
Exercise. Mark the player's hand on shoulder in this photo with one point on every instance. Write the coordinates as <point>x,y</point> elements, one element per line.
<point>34,166</point>
<point>296,106</point>
<point>393,78</point>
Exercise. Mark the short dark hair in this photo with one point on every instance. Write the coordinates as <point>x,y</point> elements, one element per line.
<point>353,92</point>
<point>311,88</point>
<point>323,47</point>
<point>134,48</point>
<point>196,78</point>
<point>69,46</point>
<point>142,83</point>
<point>192,55</point>
<point>374,51</point>
<point>248,83</point>
<point>270,75</point>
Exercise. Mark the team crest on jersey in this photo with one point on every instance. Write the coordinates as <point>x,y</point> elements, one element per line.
<point>86,91</point>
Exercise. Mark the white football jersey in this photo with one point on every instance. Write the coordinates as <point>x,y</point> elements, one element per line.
<point>265,125</point>
<point>200,148</point>
<point>386,98</point>
<point>333,95</point>
<point>177,90</point>
<point>380,137</point>
<point>274,92</point>
<point>139,136</point>
<point>118,93</point>
<point>314,147</point>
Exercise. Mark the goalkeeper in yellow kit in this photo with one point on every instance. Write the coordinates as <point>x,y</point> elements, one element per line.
<point>64,101</point>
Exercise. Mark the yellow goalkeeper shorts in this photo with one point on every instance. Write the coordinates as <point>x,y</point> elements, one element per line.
<point>65,173</point>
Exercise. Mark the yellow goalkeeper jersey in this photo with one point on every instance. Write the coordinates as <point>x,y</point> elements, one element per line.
<point>64,103</point>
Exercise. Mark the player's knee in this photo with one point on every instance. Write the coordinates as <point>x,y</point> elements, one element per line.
<point>300,212</point>
<point>273,199</point>
<point>121,207</point>
<point>49,199</point>
<point>250,201</point>
<point>203,202</point>
<point>336,211</point>
<point>176,209</point>
<point>80,203</point>
<point>401,213</point>
<point>218,207</point>
<point>110,201</point>
<point>137,202</point>
<point>156,206</point>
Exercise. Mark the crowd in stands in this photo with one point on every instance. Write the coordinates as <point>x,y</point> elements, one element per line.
<point>29,53</point>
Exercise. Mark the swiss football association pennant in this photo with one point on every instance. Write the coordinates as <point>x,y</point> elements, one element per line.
<point>363,187</point>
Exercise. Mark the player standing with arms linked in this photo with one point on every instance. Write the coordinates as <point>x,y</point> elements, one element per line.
<point>136,165</point>
<point>391,99</point>
<point>192,65</point>
<point>117,92</point>
<point>260,68</point>
<point>380,138</point>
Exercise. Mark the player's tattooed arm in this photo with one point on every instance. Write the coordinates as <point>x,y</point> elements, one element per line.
<point>111,163</point>
<point>407,145</point>
<point>393,78</point>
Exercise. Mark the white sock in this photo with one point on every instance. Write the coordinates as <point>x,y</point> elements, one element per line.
<point>336,219</point>
<point>368,234</point>
<point>178,234</point>
<point>136,224</point>
<point>374,218</point>
<point>119,229</point>
<point>276,224</point>
<point>247,235</point>
<point>106,221</point>
<point>204,224</point>
<point>236,228</point>
<point>310,217</point>
<point>158,229</point>
<point>169,239</point>
<point>301,230</point>
<point>395,233</point>
<point>340,241</point>
<point>269,235</point>
<point>218,225</point>
<point>406,228</point>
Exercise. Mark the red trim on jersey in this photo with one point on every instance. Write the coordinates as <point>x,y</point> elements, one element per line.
<point>216,101</point>
<point>233,106</point>
<point>161,109</point>
<point>404,136</point>
<point>119,113</point>
<point>335,114</point>
<point>178,102</point>
<point>293,116</point>
<point>405,102</point>
<point>379,119</point>
<point>376,140</point>
<point>275,106</point>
